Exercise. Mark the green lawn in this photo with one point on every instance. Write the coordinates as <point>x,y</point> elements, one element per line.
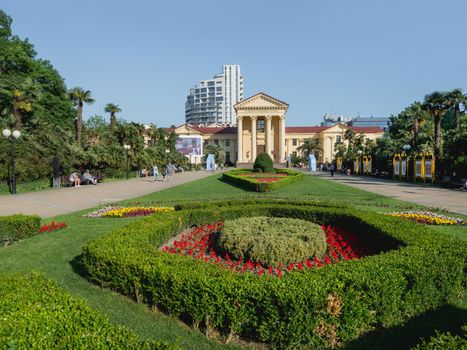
<point>55,255</point>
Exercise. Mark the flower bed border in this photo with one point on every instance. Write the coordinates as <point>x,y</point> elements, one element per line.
<point>319,307</point>
<point>251,184</point>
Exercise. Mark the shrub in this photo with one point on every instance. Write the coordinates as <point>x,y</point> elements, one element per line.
<point>16,227</point>
<point>37,314</point>
<point>313,307</point>
<point>444,341</point>
<point>264,163</point>
<point>237,177</point>
<point>272,240</point>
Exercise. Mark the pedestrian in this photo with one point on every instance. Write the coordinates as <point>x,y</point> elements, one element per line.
<point>331,169</point>
<point>155,172</point>
<point>164,173</point>
<point>169,171</point>
<point>75,179</point>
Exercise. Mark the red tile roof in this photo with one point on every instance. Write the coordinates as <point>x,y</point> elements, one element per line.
<point>367,129</point>
<point>215,130</point>
<point>304,129</point>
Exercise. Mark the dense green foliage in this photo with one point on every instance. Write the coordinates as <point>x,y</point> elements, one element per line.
<point>37,314</point>
<point>272,241</point>
<point>320,307</point>
<point>237,177</point>
<point>15,227</point>
<point>445,341</point>
<point>264,163</point>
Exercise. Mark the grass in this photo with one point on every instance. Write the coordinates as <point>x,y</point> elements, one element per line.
<point>55,254</point>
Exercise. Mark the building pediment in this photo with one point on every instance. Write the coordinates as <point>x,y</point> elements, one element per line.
<point>261,101</point>
<point>186,130</point>
<point>339,128</point>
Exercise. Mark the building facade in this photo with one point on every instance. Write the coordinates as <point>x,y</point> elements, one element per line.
<point>261,127</point>
<point>371,121</point>
<point>330,119</point>
<point>213,100</point>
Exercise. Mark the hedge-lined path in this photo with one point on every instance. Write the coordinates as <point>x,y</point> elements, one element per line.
<point>69,199</point>
<point>452,200</point>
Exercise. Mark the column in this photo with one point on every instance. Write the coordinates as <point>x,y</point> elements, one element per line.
<point>253,138</point>
<point>240,139</point>
<point>268,135</point>
<point>281,139</point>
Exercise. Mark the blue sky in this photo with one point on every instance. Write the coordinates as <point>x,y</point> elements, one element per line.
<point>371,57</point>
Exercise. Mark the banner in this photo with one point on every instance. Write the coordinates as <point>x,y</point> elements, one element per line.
<point>404,168</point>
<point>428,168</point>
<point>311,162</point>
<point>189,146</point>
<point>396,168</point>
<point>418,168</point>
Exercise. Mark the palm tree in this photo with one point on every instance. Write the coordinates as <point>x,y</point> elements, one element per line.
<point>22,94</point>
<point>436,104</point>
<point>112,109</point>
<point>79,97</point>
<point>417,114</point>
<point>309,146</point>
<point>455,98</point>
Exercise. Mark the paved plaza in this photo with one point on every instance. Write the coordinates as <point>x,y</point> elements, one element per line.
<point>449,199</point>
<point>70,199</point>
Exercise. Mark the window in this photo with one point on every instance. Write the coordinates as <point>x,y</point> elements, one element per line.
<point>338,138</point>
<point>227,143</point>
<point>294,142</point>
<point>227,156</point>
<point>216,141</point>
<point>260,124</point>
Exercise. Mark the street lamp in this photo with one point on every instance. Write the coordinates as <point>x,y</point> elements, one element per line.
<point>406,148</point>
<point>16,135</point>
<point>127,148</point>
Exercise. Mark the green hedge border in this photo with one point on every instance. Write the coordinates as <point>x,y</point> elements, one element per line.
<point>252,185</point>
<point>376,291</point>
<point>16,227</point>
<point>36,313</point>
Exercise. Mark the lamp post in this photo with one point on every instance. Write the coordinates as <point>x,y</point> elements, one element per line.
<point>127,148</point>
<point>16,135</point>
<point>406,148</point>
<point>359,166</point>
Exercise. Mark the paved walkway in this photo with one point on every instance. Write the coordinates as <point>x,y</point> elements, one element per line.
<point>70,199</point>
<point>449,199</point>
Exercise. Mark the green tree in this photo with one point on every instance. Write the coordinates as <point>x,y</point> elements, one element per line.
<point>214,149</point>
<point>455,99</point>
<point>310,146</point>
<point>436,104</point>
<point>79,97</point>
<point>113,109</point>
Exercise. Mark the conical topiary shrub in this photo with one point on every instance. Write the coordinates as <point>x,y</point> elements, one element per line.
<point>264,163</point>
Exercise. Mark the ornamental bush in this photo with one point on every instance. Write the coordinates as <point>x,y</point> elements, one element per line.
<point>271,241</point>
<point>37,314</point>
<point>315,308</point>
<point>264,163</point>
<point>16,227</point>
<point>237,177</point>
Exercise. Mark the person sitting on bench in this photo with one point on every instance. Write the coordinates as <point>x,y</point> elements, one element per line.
<point>88,177</point>
<point>74,179</point>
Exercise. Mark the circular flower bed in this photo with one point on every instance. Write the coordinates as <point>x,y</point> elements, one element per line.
<point>429,218</point>
<point>270,241</point>
<point>201,243</point>
<point>121,212</point>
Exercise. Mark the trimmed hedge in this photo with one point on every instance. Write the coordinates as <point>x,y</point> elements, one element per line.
<point>264,163</point>
<point>37,314</point>
<point>16,227</point>
<point>445,341</point>
<point>317,308</point>
<point>250,184</point>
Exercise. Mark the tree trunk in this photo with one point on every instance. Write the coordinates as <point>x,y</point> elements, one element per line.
<point>18,118</point>
<point>457,115</point>
<point>113,122</point>
<point>415,133</point>
<point>437,135</point>
<point>79,122</point>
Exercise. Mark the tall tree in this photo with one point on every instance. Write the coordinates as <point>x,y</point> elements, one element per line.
<point>455,99</point>
<point>79,97</point>
<point>21,94</point>
<point>436,104</point>
<point>113,110</point>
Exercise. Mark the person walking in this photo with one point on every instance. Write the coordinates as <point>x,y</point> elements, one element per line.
<point>155,172</point>
<point>331,169</point>
<point>169,171</point>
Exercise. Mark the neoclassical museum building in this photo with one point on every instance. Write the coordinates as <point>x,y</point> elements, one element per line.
<point>261,127</point>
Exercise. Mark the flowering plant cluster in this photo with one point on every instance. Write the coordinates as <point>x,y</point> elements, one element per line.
<point>121,212</point>
<point>200,244</point>
<point>53,226</point>
<point>264,177</point>
<point>429,218</point>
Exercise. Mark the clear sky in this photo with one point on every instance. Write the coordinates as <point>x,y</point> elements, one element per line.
<point>367,57</point>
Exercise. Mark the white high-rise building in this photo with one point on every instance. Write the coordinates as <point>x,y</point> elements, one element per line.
<point>212,100</point>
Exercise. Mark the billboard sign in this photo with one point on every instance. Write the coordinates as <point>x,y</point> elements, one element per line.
<point>189,146</point>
